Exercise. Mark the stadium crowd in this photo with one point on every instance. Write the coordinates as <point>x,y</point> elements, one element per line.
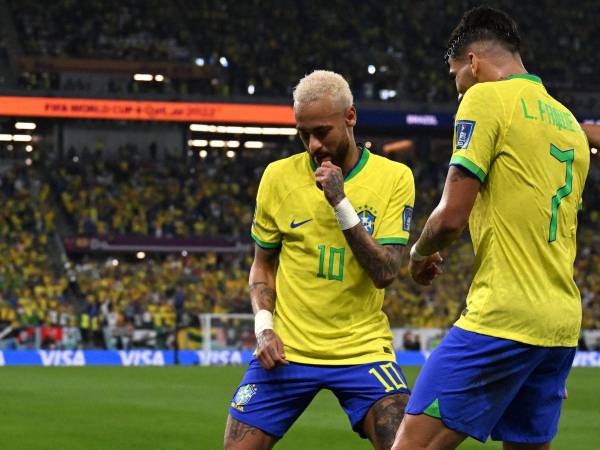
<point>404,42</point>
<point>108,298</point>
<point>132,30</point>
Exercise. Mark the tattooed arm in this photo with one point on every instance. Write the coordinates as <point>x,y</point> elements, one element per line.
<point>446,223</point>
<point>381,262</point>
<point>269,349</point>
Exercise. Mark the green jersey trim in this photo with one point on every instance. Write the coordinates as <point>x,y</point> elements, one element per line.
<point>392,240</point>
<point>364,157</point>
<point>458,160</point>
<point>526,76</point>
<point>263,244</point>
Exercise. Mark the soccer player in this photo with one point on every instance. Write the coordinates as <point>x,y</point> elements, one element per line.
<point>330,228</point>
<point>518,168</point>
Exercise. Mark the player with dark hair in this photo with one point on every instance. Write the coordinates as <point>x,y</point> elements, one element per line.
<point>330,228</point>
<point>517,173</point>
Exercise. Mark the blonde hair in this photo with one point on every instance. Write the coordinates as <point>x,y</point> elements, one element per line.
<point>320,84</point>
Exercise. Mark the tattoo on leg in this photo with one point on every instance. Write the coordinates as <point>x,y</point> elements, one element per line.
<point>388,413</point>
<point>236,431</point>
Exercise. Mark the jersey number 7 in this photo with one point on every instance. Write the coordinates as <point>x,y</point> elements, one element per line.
<point>563,156</point>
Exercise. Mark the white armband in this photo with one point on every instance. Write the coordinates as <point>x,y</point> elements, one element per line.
<point>345,214</point>
<point>263,320</point>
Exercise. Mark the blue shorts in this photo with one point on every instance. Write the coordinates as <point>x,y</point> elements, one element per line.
<point>482,385</point>
<point>272,400</point>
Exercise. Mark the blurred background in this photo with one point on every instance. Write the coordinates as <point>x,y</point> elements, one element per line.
<point>133,135</point>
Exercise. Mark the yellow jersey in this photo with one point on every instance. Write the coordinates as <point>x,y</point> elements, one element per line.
<point>532,159</point>
<point>328,311</point>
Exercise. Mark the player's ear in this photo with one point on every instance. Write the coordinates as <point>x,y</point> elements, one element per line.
<point>350,116</point>
<point>474,63</point>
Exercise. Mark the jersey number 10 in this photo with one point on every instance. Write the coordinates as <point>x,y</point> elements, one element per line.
<point>335,271</point>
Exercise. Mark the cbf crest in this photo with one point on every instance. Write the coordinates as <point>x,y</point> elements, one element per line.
<point>243,396</point>
<point>367,215</point>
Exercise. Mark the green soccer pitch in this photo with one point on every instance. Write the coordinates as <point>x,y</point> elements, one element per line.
<point>171,408</point>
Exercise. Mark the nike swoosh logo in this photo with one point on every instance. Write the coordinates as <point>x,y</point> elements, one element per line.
<point>297,224</point>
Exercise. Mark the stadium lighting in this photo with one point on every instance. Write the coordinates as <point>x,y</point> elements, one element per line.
<point>224,61</point>
<point>5,137</point>
<point>22,138</point>
<point>368,144</point>
<point>140,255</point>
<point>75,159</point>
<point>232,129</point>
<point>371,69</point>
<point>25,126</point>
<point>198,142</point>
<point>217,143</point>
<point>29,148</point>
<point>159,77</point>
<point>230,153</point>
<point>115,262</point>
<point>251,89</point>
<point>184,253</point>
<point>10,147</point>
<point>28,162</point>
<point>594,151</point>
<point>254,144</point>
<point>203,154</point>
<point>199,61</point>
<point>233,144</point>
<point>203,128</point>
<point>143,77</point>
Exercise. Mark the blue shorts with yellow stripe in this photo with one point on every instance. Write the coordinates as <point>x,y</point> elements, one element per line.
<point>272,400</point>
<point>482,385</point>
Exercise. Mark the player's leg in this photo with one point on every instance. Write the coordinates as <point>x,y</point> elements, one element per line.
<point>267,403</point>
<point>531,419</point>
<point>422,432</point>
<point>241,436</point>
<point>464,388</point>
<point>373,396</point>
<point>383,420</point>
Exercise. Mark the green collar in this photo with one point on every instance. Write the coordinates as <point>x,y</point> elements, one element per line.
<point>526,76</point>
<point>362,161</point>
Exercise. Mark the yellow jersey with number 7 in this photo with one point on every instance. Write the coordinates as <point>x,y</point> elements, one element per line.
<point>328,311</point>
<point>532,159</point>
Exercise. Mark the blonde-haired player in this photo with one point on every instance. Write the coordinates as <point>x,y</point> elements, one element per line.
<point>330,228</point>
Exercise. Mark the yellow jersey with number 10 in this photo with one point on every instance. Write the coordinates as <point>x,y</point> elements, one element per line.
<point>328,310</point>
<point>532,158</point>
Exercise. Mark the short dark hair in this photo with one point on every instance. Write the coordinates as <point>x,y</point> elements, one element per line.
<point>483,24</point>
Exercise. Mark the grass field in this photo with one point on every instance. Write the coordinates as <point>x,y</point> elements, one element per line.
<point>171,408</point>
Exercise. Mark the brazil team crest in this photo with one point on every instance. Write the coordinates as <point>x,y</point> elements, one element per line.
<point>243,396</point>
<point>367,215</point>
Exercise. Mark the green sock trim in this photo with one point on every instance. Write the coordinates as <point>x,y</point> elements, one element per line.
<point>433,410</point>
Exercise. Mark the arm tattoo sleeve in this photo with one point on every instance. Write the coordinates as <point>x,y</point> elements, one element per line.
<point>381,262</point>
<point>262,295</point>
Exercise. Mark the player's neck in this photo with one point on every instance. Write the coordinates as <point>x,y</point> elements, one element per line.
<point>513,67</point>
<point>354,154</point>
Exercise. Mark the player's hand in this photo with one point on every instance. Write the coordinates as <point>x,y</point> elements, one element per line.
<point>424,272</point>
<point>269,350</point>
<point>331,179</point>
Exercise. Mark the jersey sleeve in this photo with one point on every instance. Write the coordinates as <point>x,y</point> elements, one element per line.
<point>264,229</point>
<point>478,127</point>
<point>395,223</point>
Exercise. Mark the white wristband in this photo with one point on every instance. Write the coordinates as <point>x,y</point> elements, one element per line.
<point>263,320</point>
<point>345,214</point>
<point>415,255</point>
